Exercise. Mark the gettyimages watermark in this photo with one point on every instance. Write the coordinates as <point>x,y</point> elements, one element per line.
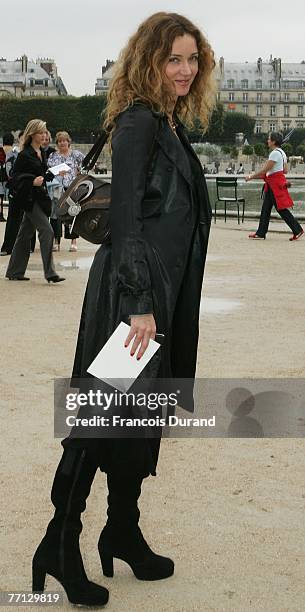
<point>226,408</point>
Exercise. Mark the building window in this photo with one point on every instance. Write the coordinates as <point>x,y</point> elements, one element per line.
<point>286,110</point>
<point>272,127</point>
<point>259,97</point>
<point>46,93</point>
<point>300,124</point>
<point>272,97</point>
<point>300,111</point>
<point>259,84</point>
<point>286,125</point>
<point>258,111</point>
<point>286,97</point>
<point>46,83</point>
<point>231,83</point>
<point>272,111</point>
<point>231,96</point>
<point>244,83</point>
<point>245,97</point>
<point>32,93</point>
<point>32,82</point>
<point>272,84</point>
<point>245,109</point>
<point>301,97</point>
<point>258,128</point>
<point>218,96</point>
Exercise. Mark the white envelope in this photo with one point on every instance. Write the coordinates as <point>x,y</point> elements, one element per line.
<point>114,364</point>
<point>60,168</point>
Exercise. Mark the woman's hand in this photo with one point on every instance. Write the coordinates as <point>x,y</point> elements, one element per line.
<point>248,178</point>
<point>143,328</point>
<point>37,182</point>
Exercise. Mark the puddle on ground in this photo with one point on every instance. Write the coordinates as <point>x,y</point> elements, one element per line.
<point>218,306</point>
<point>80,263</point>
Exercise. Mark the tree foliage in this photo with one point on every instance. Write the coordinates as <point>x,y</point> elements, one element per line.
<point>234,152</point>
<point>247,150</point>
<point>288,148</point>
<point>234,123</point>
<point>301,150</point>
<point>297,137</point>
<point>215,129</point>
<point>216,126</point>
<point>260,149</point>
<point>81,117</point>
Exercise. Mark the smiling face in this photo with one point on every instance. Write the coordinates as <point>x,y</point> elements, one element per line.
<point>182,65</point>
<point>63,145</point>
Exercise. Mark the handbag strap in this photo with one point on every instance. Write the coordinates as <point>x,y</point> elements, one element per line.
<point>91,158</point>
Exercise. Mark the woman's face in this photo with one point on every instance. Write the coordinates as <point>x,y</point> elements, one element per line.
<point>63,144</point>
<point>38,138</point>
<point>182,65</point>
<point>46,140</point>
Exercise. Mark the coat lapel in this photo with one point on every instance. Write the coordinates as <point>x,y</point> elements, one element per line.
<point>173,149</point>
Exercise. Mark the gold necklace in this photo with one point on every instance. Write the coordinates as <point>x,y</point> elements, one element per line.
<point>172,125</point>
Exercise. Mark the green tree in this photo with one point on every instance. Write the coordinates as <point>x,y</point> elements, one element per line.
<point>301,150</point>
<point>212,151</point>
<point>195,134</point>
<point>247,150</point>
<point>260,149</point>
<point>287,147</point>
<point>297,138</point>
<point>215,130</point>
<point>234,123</point>
<point>81,117</point>
<point>234,152</point>
<point>226,149</point>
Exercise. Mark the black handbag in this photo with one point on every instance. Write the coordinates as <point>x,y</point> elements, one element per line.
<point>85,205</point>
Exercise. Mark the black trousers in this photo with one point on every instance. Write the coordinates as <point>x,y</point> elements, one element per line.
<point>287,216</point>
<point>57,229</point>
<point>13,221</point>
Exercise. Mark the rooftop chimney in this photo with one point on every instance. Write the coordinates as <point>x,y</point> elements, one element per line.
<point>222,66</point>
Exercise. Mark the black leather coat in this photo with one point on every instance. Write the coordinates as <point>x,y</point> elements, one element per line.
<point>159,238</point>
<point>26,168</point>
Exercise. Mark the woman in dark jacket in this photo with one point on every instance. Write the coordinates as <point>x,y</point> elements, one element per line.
<point>150,276</point>
<point>30,194</point>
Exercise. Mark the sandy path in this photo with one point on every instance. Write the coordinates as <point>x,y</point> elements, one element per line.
<point>229,511</point>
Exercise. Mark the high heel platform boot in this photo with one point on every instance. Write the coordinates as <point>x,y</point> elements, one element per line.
<point>58,554</point>
<point>122,537</point>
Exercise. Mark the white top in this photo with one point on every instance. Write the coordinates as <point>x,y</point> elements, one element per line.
<point>280,159</point>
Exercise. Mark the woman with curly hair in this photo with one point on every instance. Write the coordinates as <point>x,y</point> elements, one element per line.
<point>150,275</point>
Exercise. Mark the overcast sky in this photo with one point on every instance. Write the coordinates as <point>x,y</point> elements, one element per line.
<point>81,35</point>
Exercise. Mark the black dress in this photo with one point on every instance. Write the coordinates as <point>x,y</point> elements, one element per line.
<point>176,234</point>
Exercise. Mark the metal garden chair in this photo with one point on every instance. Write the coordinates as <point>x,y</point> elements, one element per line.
<point>227,192</point>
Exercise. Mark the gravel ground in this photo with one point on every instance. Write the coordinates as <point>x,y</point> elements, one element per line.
<point>229,511</point>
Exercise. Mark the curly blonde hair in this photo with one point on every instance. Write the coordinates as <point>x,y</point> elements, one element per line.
<point>139,72</point>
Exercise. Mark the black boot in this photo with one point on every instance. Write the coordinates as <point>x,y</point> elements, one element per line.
<point>122,537</point>
<point>58,554</point>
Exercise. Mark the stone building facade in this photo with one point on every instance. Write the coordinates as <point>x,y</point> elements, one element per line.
<point>272,92</point>
<point>23,78</point>
<point>102,84</point>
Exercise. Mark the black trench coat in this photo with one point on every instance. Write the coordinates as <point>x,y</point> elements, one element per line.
<point>159,238</point>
